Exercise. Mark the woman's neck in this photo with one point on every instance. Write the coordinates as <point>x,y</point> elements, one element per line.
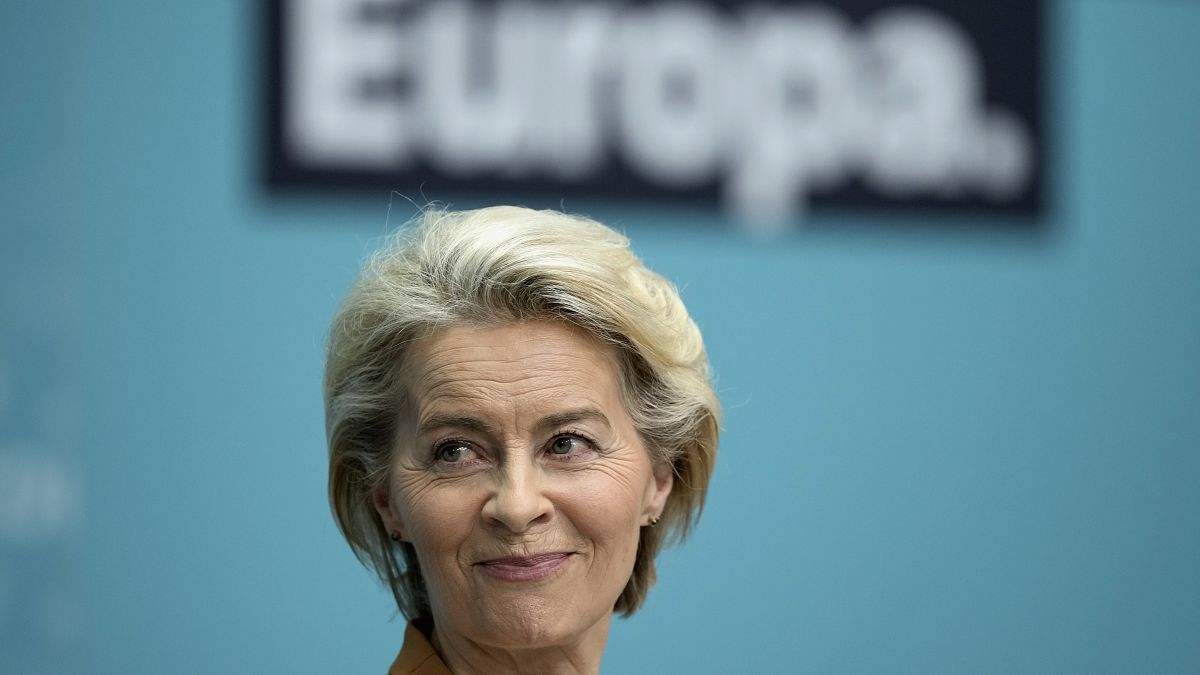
<point>580,656</point>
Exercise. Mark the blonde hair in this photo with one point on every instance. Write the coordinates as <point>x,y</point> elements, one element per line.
<point>505,264</point>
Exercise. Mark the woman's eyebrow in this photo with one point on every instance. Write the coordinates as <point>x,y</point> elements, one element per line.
<point>439,421</point>
<point>574,415</point>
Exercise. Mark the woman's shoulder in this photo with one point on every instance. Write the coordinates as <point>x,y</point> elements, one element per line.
<point>417,656</point>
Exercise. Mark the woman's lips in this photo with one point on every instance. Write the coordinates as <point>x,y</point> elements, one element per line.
<point>530,568</point>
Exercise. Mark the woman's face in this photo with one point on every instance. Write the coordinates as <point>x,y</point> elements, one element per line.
<point>520,481</point>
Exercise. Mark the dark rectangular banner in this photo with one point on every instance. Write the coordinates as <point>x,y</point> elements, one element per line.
<point>771,109</point>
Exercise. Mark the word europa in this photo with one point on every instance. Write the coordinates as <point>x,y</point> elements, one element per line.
<point>771,103</point>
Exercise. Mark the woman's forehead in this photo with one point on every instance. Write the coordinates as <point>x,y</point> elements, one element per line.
<point>460,350</point>
<point>543,364</point>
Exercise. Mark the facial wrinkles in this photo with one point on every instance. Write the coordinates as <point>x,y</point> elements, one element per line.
<point>594,505</point>
<point>522,384</point>
<point>508,385</point>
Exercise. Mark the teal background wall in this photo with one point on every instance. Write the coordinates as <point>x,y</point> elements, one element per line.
<point>948,449</point>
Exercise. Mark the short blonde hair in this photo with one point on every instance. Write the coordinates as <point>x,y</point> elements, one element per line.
<point>496,265</point>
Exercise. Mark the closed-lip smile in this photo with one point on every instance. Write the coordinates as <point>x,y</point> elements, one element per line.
<point>525,568</point>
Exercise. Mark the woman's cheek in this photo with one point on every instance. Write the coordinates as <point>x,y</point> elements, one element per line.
<point>613,491</point>
<point>438,511</point>
<point>606,512</point>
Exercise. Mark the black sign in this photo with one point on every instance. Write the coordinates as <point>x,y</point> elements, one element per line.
<point>768,107</point>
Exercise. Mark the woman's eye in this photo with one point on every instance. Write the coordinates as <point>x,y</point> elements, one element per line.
<point>566,445</point>
<point>452,452</point>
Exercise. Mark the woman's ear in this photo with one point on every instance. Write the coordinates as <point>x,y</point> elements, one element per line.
<point>659,489</point>
<point>382,502</point>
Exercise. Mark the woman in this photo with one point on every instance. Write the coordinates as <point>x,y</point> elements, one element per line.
<point>519,414</point>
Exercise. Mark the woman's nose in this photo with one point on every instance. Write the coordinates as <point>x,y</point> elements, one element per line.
<point>517,502</point>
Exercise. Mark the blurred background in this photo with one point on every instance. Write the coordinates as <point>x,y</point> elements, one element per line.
<point>963,418</point>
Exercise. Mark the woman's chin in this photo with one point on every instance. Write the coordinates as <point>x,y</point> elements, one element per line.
<point>554,614</point>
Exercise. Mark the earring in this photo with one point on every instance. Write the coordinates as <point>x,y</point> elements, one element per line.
<point>395,536</point>
<point>653,521</point>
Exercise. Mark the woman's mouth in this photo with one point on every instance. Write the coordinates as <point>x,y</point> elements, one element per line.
<point>525,568</point>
